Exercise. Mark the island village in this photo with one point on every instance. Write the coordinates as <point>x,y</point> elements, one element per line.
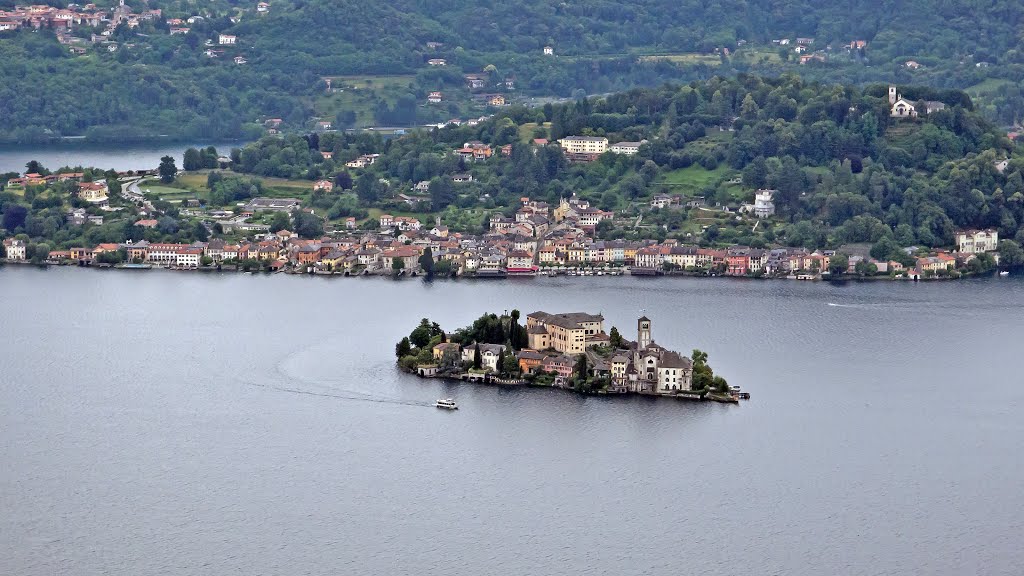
<point>565,350</point>
<point>539,240</point>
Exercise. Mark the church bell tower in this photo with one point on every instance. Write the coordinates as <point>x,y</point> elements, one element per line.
<point>643,332</point>
<point>893,96</point>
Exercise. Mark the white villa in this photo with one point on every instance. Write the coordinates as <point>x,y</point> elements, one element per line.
<point>903,108</point>
<point>977,241</point>
<point>763,205</point>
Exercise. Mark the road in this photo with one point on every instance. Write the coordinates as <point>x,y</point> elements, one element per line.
<point>130,191</point>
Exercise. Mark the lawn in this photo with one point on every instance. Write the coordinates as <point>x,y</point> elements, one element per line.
<point>684,58</point>
<point>371,82</point>
<point>987,87</point>
<point>359,94</point>
<point>692,181</point>
<point>526,131</point>
<point>764,54</point>
<point>285,187</point>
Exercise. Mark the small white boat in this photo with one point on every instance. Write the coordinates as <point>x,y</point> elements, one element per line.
<point>1004,272</point>
<point>447,404</point>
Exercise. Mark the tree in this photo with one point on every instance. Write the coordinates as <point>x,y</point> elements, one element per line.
<point>501,361</point>
<point>615,339</point>
<point>477,358</point>
<point>343,180</point>
<point>34,167</point>
<point>838,264</point>
<point>307,225</point>
<point>403,348</point>
<point>14,216</point>
<point>421,335</point>
<point>442,193</point>
<point>884,248</point>
<point>865,268</point>
<point>509,364</point>
<point>1010,253</point>
<point>279,222</point>
<point>199,231</point>
<point>397,264</point>
<point>581,367</point>
<point>111,257</point>
<point>192,160</point>
<point>426,262</point>
<point>167,169</point>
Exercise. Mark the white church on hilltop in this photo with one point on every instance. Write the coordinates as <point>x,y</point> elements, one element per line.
<point>903,108</point>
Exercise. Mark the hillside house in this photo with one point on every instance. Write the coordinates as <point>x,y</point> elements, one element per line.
<point>977,241</point>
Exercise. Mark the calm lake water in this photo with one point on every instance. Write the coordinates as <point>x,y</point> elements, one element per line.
<point>179,423</point>
<point>133,157</point>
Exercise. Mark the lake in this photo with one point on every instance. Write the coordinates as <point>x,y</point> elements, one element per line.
<point>201,424</point>
<point>106,156</point>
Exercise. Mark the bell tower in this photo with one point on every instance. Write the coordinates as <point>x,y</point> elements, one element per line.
<point>643,332</point>
<point>893,96</point>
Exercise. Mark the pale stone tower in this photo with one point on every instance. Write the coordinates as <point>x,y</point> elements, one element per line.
<point>643,332</point>
<point>893,96</point>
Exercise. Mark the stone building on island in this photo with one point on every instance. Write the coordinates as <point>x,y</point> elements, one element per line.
<point>642,366</point>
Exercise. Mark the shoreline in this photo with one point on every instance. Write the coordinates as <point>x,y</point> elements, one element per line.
<point>579,273</point>
<point>522,383</point>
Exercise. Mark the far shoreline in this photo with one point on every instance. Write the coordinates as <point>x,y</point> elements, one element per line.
<point>846,279</point>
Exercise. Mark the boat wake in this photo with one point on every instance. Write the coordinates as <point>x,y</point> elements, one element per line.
<point>340,395</point>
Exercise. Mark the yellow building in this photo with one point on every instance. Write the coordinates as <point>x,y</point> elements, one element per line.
<point>566,332</point>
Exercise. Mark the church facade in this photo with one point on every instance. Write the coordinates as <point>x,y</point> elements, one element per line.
<point>646,367</point>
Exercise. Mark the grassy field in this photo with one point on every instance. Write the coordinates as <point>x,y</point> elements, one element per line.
<point>526,131</point>
<point>764,54</point>
<point>684,58</point>
<point>358,93</point>
<point>694,180</point>
<point>197,180</point>
<point>371,82</point>
<point>987,87</point>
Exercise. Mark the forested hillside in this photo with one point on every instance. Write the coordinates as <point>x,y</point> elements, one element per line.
<point>145,80</point>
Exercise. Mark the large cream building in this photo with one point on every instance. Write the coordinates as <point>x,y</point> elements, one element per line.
<point>567,333</point>
<point>584,144</point>
<point>977,241</point>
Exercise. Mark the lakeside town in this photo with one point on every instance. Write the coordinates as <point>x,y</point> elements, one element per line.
<point>568,350</point>
<point>539,240</point>
<point>446,203</point>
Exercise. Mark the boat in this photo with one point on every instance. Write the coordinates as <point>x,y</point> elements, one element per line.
<point>1004,272</point>
<point>447,404</point>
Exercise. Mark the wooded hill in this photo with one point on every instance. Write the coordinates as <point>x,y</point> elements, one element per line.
<point>156,84</point>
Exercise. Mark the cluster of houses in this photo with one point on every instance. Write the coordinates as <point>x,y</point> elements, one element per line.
<point>92,192</point>
<point>538,237</point>
<point>62,20</point>
<point>556,341</point>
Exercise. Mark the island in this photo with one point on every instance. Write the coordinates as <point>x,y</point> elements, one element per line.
<point>568,350</point>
